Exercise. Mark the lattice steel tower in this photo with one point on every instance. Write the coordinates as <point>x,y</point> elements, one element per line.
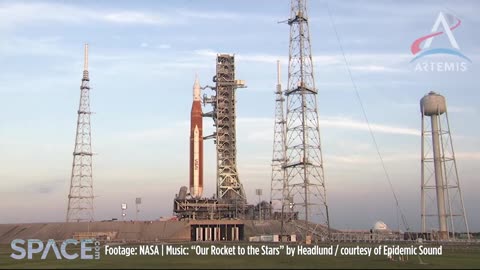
<point>304,162</point>
<point>441,197</point>
<point>80,198</point>
<point>224,117</point>
<point>278,186</point>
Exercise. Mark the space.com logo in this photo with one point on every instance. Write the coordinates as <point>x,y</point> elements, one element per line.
<point>448,23</point>
<point>89,249</point>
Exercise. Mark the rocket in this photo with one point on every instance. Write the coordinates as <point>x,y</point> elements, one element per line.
<point>196,144</point>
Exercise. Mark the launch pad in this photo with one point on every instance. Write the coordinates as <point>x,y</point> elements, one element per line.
<point>230,200</point>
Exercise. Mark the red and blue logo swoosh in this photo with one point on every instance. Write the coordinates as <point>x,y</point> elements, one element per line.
<point>418,53</point>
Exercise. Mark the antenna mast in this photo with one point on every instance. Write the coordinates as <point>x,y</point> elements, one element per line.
<point>278,184</point>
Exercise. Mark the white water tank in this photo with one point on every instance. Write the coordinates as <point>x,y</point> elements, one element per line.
<point>433,104</point>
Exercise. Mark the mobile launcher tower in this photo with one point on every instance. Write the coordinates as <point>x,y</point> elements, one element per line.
<point>230,200</point>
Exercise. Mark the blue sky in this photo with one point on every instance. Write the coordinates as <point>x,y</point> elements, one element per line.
<point>143,60</point>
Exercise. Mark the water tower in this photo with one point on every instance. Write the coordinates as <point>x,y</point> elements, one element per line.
<point>441,196</point>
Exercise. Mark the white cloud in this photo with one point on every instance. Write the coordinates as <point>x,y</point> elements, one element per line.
<point>211,15</point>
<point>144,45</point>
<point>47,46</point>
<point>269,58</point>
<point>162,133</point>
<point>130,17</point>
<point>261,129</point>
<point>164,46</point>
<point>262,58</point>
<point>468,155</point>
<point>346,159</point>
<point>261,135</point>
<point>255,120</point>
<point>361,62</point>
<point>157,134</point>
<point>371,158</point>
<point>205,52</point>
<point>374,68</point>
<point>152,62</point>
<point>342,122</point>
<point>461,109</point>
<point>16,13</point>
<point>390,11</point>
<point>450,108</point>
<point>12,14</point>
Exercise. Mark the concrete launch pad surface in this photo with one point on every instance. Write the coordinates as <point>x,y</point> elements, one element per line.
<point>130,231</point>
<point>121,230</point>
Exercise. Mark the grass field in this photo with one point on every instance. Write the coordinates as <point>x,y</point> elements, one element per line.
<point>453,257</point>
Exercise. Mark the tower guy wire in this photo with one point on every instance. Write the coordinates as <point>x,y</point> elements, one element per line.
<point>354,85</point>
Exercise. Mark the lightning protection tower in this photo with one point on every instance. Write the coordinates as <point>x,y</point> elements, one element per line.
<point>441,196</point>
<point>278,185</point>
<point>80,198</point>
<point>304,162</point>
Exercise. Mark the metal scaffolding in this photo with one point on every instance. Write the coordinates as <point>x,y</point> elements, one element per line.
<point>224,115</point>
<point>80,197</point>
<point>306,193</point>
<point>278,156</point>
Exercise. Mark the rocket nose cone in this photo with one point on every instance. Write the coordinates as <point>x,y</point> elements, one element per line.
<point>196,84</point>
<point>196,89</point>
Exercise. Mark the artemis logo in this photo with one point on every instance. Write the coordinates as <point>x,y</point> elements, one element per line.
<point>88,249</point>
<point>444,24</point>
